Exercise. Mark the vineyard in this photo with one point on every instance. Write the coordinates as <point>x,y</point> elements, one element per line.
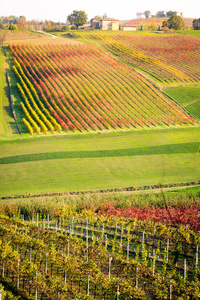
<point>79,88</point>
<point>84,216</point>
<point>167,58</point>
<point>88,255</point>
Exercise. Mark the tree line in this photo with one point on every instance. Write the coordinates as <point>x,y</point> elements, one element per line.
<point>79,17</point>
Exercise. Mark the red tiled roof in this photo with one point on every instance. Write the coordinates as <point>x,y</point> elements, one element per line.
<point>109,19</point>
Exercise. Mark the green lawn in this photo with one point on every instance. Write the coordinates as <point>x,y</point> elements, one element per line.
<point>195,33</point>
<point>99,161</point>
<point>7,123</point>
<point>187,97</point>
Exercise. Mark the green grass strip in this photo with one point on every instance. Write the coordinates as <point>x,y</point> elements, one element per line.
<point>163,149</point>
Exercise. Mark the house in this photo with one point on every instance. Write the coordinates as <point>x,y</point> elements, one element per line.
<point>95,24</point>
<point>129,27</point>
<point>161,14</point>
<point>109,24</point>
<point>140,15</point>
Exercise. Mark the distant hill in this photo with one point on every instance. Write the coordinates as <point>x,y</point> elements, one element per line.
<point>157,21</point>
<point>138,22</point>
<point>188,21</point>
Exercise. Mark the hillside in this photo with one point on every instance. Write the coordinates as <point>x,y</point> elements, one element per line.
<point>142,136</point>
<point>82,88</point>
<point>168,58</point>
<point>156,21</point>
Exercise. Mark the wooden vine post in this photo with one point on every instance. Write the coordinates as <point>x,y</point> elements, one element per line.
<point>43,224</point>
<point>185,269</point>
<point>109,265</point>
<point>60,222</point>
<point>46,263</point>
<point>105,241</point>
<point>153,271</point>
<point>48,220</point>
<point>58,292</point>
<point>88,284</point>
<point>196,263</point>
<point>3,269</point>
<point>36,286</point>
<point>118,290</point>
<point>170,289</point>
<point>102,231</point>
<point>127,251</point>
<point>143,241</point>
<point>68,247</point>
<point>121,236</point>
<point>17,274</point>
<point>167,256</point>
<point>136,278</point>
<point>37,219</point>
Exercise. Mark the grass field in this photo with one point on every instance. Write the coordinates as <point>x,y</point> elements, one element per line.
<point>7,124</point>
<point>187,97</point>
<point>195,33</point>
<point>99,161</point>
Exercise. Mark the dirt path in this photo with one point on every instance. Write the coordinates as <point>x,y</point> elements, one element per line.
<point>52,35</point>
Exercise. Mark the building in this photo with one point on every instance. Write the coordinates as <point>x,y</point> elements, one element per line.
<point>95,24</point>
<point>129,27</point>
<point>161,14</point>
<point>109,24</point>
<point>140,15</point>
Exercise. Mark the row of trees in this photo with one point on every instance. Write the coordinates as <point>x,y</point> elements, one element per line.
<point>14,22</point>
<point>169,14</point>
<point>78,17</point>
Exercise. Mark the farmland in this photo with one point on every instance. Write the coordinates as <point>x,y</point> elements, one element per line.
<point>104,126</point>
<point>98,123</point>
<point>81,88</point>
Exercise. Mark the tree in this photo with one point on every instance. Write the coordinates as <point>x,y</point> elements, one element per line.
<point>65,28</point>
<point>98,17</point>
<point>176,22</point>
<point>153,27</point>
<point>2,26</point>
<point>171,13</point>
<point>78,18</point>
<point>165,24</point>
<point>196,24</point>
<point>2,36</point>
<point>21,23</point>
<point>147,14</point>
<point>12,26</point>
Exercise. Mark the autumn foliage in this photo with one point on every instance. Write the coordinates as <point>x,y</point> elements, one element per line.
<point>81,88</point>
